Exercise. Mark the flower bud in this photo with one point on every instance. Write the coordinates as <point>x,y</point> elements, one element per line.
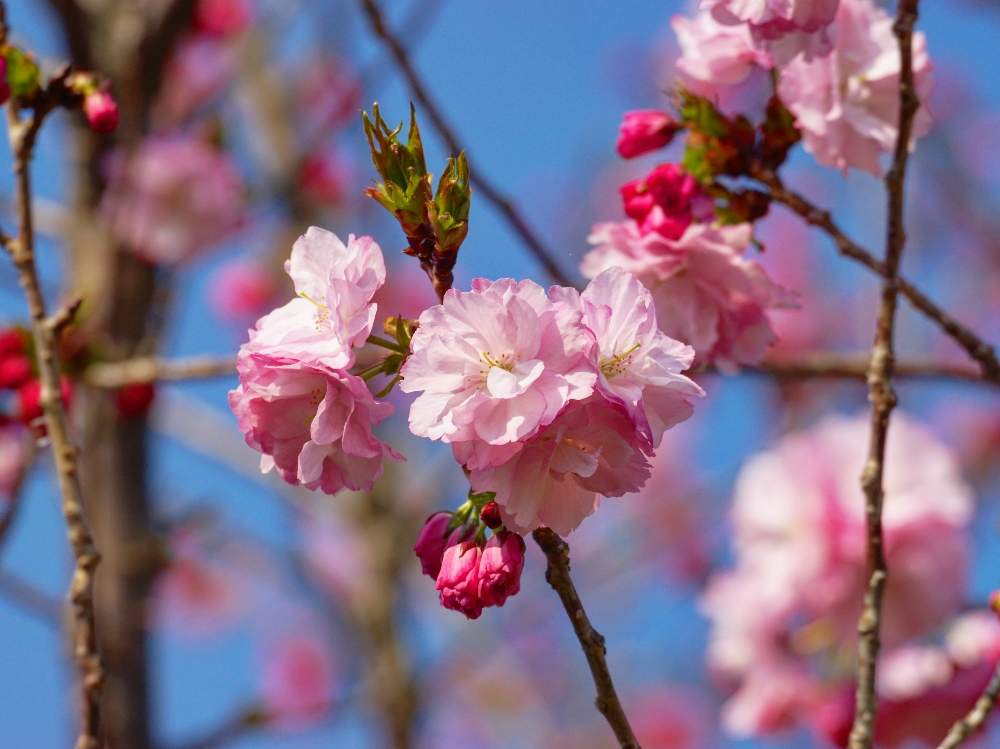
<point>11,339</point>
<point>458,579</point>
<point>101,112</point>
<point>431,543</point>
<point>133,400</point>
<point>490,515</point>
<point>644,130</point>
<point>500,568</point>
<point>663,201</point>
<point>14,371</point>
<point>29,397</point>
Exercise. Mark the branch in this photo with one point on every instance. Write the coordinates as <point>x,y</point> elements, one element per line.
<point>234,727</point>
<point>430,107</point>
<point>969,725</point>
<point>881,394</point>
<point>31,599</point>
<point>22,136</point>
<point>823,365</point>
<point>591,641</point>
<point>975,347</point>
<point>151,368</point>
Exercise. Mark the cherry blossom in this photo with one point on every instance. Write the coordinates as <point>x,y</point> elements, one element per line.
<point>847,103</point>
<point>785,28</point>
<point>297,679</point>
<point>312,424</point>
<point>715,56</point>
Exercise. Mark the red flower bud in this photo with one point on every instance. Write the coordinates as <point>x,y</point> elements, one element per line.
<point>500,568</point>
<point>14,371</point>
<point>431,543</point>
<point>101,112</point>
<point>490,515</point>
<point>11,339</point>
<point>134,400</point>
<point>458,580</point>
<point>643,131</point>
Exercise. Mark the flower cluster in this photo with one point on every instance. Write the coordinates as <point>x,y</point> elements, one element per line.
<point>297,402</point>
<point>836,62</point>
<point>707,292</point>
<point>784,618</point>
<point>549,400</point>
<point>470,573</point>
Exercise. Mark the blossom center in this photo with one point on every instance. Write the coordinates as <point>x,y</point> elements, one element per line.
<point>504,361</point>
<point>321,317</point>
<point>612,366</point>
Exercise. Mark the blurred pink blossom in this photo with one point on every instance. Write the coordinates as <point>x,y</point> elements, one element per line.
<point>298,680</point>
<point>714,56</point>
<point>199,70</point>
<point>242,289</point>
<point>13,454</point>
<point>172,198</point>
<point>222,18</point>
<point>847,103</point>
<point>644,130</point>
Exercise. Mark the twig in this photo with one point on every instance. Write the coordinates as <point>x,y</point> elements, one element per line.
<point>591,641</point>
<point>967,726</point>
<point>29,598</point>
<point>22,134</point>
<point>824,365</point>
<point>151,368</point>
<point>881,394</point>
<point>978,349</point>
<point>234,727</point>
<point>430,107</point>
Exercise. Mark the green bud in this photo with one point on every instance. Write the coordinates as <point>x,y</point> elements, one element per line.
<point>23,74</point>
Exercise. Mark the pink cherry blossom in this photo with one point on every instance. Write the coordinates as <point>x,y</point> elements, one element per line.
<point>172,198</point>
<point>458,580</point>
<point>222,18</point>
<point>198,71</point>
<point>783,27</point>
<point>431,543</point>
<point>313,424</point>
<point>644,130</point>
<point>800,572</point>
<point>500,567</point>
<point>706,293</point>
<point>715,56</point>
<point>241,289</point>
<point>495,364</point>
<point>557,477</point>
<point>639,366</point>
<point>847,103</point>
<point>333,312</point>
<point>298,680</point>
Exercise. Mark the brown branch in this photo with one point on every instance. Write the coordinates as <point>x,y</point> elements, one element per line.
<point>31,599</point>
<point>824,365</point>
<point>971,724</point>
<point>151,368</point>
<point>429,106</point>
<point>22,134</point>
<point>236,726</point>
<point>881,394</point>
<point>978,349</point>
<point>591,641</point>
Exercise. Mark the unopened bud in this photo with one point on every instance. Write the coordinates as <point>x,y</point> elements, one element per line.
<point>490,515</point>
<point>101,112</point>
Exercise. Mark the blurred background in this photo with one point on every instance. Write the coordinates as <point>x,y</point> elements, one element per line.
<point>240,612</point>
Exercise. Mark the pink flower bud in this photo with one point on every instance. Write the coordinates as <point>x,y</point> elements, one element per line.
<point>431,543</point>
<point>490,515</point>
<point>500,568</point>
<point>101,112</point>
<point>644,130</point>
<point>458,580</point>
<point>662,202</point>
<point>222,18</point>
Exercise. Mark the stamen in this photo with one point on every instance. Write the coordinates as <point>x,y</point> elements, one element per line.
<point>613,366</point>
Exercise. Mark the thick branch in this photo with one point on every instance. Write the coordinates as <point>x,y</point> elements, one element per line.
<point>881,394</point>
<point>429,106</point>
<point>591,641</point>
<point>978,349</point>
<point>971,724</point>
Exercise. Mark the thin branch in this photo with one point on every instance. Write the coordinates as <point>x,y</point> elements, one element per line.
<point>236,726</point>
<point>429,106</point>
<point>881,394</point>
<point>152,368</point>
<point>978,349</point>
<point>823,365</point>
<point>591,641</point>
<point>31,599</point>
<point>22,134</point>
<point>971,724</point>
